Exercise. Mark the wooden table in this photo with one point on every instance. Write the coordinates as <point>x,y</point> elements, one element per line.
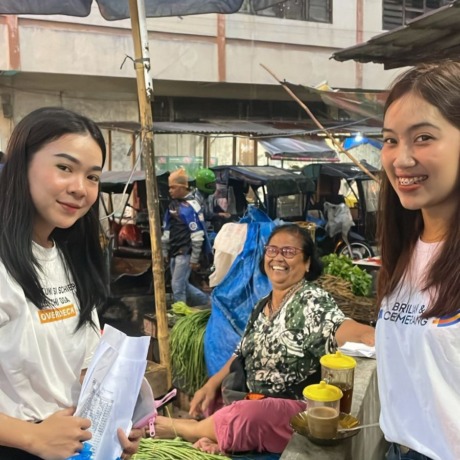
<point>368,444</point>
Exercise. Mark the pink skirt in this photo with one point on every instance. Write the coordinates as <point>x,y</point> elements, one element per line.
<point>256,426</point>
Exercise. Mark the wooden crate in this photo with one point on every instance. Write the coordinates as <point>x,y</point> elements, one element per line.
<point>156,375</point>
<point>150,325</point>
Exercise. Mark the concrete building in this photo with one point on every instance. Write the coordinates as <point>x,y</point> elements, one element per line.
<point>204,67</point>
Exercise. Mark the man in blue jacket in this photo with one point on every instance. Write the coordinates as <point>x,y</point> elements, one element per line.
<point>184,239</point>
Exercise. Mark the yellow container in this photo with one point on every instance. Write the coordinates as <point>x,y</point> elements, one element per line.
<point>339,370</point>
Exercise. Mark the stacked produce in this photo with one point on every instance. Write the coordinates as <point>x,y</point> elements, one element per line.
<point>350,286</point>
<point>171,449</point>
<point>187,349</point>
<point>343,267</point>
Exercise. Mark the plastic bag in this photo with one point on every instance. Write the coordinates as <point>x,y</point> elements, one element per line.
<point>110,391</point>
<point>339,219</point>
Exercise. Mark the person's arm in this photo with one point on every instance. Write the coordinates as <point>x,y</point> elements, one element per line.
<point>216,380</point>
<point>195,223</point>
<point>130,443</point>
<point>56,438</point>
<point>206,394</point>
<point>352,331</point>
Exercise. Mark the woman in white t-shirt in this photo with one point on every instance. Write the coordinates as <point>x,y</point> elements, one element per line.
<point>51,281</point>
<point>418,331</point>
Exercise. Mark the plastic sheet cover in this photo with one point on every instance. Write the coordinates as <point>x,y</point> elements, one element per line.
<point>236,295</point>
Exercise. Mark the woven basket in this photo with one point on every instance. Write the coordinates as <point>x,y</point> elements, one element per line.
<point>309,226</point>
<point>363,309</point>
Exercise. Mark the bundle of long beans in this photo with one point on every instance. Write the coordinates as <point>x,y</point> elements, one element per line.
<point>171,449</point>
<point>187,351</point>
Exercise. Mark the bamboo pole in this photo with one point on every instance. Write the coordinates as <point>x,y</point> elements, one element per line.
<point>321,127</point>
<point>145,96</point>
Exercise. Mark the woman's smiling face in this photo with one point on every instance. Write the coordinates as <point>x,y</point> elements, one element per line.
<point>421,155</point>
<point>64,182</point>
<point>284,273</point>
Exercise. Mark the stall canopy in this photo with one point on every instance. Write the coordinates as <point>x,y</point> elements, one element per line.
<point>284,148</point>
<point>278,181</point>
<point>236,127</point>
<point>358,104</point>
<point>113,10</point>
<point>342,170</point>
<point>428,38</point>
<point>252,129</point>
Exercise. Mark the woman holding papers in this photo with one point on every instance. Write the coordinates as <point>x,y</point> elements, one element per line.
<point>51,281</point>
<point>418,330</point>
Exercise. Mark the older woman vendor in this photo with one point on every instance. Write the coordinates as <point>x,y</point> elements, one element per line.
<point>296,324</point>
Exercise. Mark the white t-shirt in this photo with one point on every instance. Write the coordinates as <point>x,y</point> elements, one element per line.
<point>41,356</point>
<point>418,362</point>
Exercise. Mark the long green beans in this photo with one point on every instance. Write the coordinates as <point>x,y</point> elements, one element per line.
<point>171,449</point>
<point>187,352</point>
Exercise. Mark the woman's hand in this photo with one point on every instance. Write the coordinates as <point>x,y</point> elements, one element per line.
<point>59,436</point>
<point>352,331</point>
<point>130,443</point>
<point>368,336</point>
<point>201,400</point>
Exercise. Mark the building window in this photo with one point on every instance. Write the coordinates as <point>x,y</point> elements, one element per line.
<point>397,13</point>
<point>300,10</point>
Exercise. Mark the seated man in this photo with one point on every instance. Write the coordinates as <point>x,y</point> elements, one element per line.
<point>211,203</point>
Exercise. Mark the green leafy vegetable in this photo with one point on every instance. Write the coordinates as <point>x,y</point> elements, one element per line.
<point>343,267</point>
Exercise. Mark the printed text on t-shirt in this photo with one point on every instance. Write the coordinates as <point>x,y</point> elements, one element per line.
<point>405,313</point>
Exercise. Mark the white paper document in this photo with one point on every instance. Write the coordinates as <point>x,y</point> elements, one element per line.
<point>111,388</point>
<point>357,349</point>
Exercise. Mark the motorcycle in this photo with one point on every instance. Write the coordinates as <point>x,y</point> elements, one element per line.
<point>339,228</point>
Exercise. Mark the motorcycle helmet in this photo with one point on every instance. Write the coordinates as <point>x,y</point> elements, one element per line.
<point>205,181</point>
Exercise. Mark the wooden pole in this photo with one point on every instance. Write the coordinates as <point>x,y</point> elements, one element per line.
<point>109,150</point>
<point>206,149</point>
<point>234,140</point>
<point>321,127</point>
<point>145,96</point>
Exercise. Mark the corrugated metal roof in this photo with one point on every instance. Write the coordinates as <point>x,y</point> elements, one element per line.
<point>283,148</point>
<point>242,127</point>
<point>428,38</point>
<point>238,127</point>
<point>224,127</point>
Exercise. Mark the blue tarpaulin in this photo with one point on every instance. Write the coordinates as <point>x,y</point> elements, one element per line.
<point>236,295</point>
<point>352,142</point>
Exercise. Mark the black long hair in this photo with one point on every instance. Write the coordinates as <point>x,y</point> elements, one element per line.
<point>309,250</point>
<point>78,244</point>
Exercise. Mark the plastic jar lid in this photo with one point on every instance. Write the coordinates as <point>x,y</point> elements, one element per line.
<point>322,392</point>
<point>338,361</point>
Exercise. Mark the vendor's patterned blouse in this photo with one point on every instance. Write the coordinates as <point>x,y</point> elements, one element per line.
<point>286,349</point>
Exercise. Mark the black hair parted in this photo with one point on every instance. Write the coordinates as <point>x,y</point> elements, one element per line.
<point>309,249</point>
<point>78,244</point>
